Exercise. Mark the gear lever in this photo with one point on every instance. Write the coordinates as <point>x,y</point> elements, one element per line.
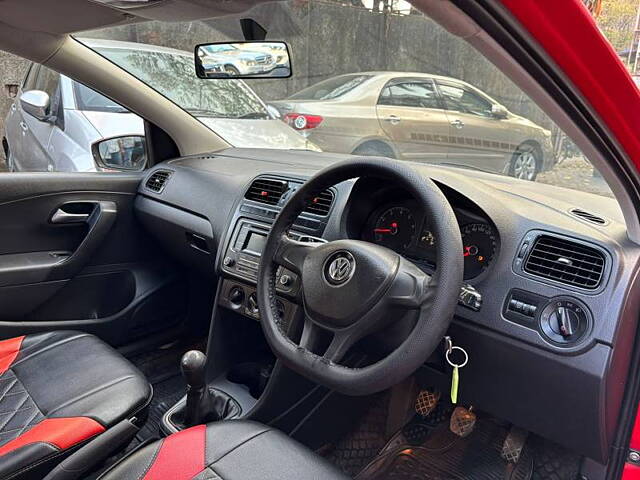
<point>193,365</point>
<point>204,404</point>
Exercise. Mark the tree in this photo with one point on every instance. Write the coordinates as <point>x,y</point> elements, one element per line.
<point>617,21</point>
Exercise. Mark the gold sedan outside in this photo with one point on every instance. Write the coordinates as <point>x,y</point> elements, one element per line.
<point>419,117</point>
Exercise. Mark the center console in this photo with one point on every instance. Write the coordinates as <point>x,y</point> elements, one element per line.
<point>241,261</point>
<point>250,227</point>
<point>240,368</point>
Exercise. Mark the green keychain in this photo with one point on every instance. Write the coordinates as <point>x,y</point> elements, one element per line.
<point>455,378</point>
<point>463,420</point>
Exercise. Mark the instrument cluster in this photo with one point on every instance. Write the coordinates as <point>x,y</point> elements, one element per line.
<point>404,228</point>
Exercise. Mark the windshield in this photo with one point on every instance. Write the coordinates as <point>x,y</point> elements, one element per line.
<point>173,75</point>
<point>369,78</point>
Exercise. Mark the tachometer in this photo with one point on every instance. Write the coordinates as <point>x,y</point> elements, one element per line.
<point>479,243</point>
<point>395,229</point>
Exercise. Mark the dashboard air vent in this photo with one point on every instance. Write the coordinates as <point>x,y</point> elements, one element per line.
<point>566,261</point>
<point>588,216</point>
<point>266,190</point>
<point>321,205</point>
<point>157,181</point>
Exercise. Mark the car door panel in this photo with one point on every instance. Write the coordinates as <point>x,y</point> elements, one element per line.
<point>35,139</point>
<point>408,111</point>
<point>477,138</point>
<point>91,267</point>
<point>12,129</point>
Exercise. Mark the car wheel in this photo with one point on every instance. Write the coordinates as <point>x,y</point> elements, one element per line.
<point>374,149</point>
<point>525,163</point>
<point>231,70</point>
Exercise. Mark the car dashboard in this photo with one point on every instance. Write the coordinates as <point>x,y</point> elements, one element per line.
<point>542,311</point>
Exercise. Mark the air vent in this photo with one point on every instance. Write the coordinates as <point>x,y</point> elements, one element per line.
<point>321,205</point>
<point>588,216</point>
<point>265,190</point>
<point>157,181</point>
<point>566,261</point>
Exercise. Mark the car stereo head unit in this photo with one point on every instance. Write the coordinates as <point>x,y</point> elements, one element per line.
<point>242,257</point>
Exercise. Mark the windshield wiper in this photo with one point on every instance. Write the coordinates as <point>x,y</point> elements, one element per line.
<point>254,116</point>
<point>203,112</point>
<point>468,167</point>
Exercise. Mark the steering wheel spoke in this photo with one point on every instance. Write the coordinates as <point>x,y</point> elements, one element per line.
<point>339,346</point>
<point>292,253</point>
<point>314,338</point>
<point>311,334</point>
<point>410,288</point>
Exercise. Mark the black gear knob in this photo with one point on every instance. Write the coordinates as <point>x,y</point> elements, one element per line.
<point>193,365</point>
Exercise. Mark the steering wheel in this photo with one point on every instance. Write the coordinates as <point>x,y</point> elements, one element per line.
<point>352,288</point>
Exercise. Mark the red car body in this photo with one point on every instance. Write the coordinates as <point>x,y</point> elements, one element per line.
<point>566,30</point>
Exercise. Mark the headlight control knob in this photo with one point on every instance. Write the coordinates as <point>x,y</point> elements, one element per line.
<point>565,321</point>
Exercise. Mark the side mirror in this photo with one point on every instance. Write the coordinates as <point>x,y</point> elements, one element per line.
<point>36,103</point>
<point>121,153</point>
<point>499,112</point>
<point>243,60</point>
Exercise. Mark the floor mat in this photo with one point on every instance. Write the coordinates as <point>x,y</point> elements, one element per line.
<point>165,395</point>
<point>352,453</point>
<point>426,449</point>
<point>443,455</point>
<point>162,369</point>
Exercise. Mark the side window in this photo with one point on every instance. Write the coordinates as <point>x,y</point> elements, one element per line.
<point>413,93</point>
<point>88,99</point>
<point>460,99</point>
<point>30,79</point>
<point>48,81</point>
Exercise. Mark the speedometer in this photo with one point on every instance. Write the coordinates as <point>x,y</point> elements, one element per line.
<point>395,228</point>
<point>480,243</point>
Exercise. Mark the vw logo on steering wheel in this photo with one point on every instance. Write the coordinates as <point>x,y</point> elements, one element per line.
<point>339,268</point>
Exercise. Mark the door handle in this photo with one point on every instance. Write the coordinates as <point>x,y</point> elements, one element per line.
<point>457,123</point>
<point>60,216</point>
<point>392,119</point>
<point>99,216</point>
<point>24,126</point>
<point>74,212</point>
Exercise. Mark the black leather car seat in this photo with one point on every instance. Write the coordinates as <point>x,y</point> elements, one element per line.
<point>227,450</point>
<point>57,391</point>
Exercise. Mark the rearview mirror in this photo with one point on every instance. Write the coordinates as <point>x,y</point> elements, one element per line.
<point>121,153</point>
<point>499,112</point>
<point>36,103</point>
<point>243,60</point>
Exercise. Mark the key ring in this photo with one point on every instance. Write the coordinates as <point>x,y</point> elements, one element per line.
<point>466,357</point>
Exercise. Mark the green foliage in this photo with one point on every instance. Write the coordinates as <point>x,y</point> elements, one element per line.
<point>617,21</point>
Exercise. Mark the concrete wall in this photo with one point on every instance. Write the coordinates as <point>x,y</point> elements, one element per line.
<point>328,39</point>
<point>12,70</point>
